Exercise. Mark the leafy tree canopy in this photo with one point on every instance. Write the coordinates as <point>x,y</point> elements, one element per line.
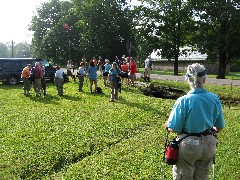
<point>218,34</point>
<point>3,50</point>
<point>51,39</point>
<point>105,27</point>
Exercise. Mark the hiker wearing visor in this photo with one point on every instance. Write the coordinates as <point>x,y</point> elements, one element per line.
<point>198,114</point>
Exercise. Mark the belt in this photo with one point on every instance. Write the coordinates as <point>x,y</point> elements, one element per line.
<point>204,133</point>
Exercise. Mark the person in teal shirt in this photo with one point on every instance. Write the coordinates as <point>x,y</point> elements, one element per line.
<point>198,114</point>
<point>92,75</point>
<point>113,79</point>
<point>107,67</point>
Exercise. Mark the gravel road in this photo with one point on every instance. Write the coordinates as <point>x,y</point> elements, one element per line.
<point>222,82</point>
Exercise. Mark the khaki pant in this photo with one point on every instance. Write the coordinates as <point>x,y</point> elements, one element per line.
<point>59,85</point>
<point>37,86</point>
<point>81,80</point>
<point>114,90</point>
<point>195,158</point>
<point>26,85</point>
<point>147,72</point>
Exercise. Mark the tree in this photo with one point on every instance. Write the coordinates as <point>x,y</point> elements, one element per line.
<point>3,50</point>
<point>218,33</point>
<point>104,27</point>
<point>22,50</point>
<point>51,40</point>
<point>165,25</point>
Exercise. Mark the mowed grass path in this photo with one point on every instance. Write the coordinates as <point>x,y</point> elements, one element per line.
<point>83,136</point>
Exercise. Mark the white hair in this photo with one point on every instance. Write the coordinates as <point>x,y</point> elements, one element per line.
<point>37,63</point>
<point>196,74</point>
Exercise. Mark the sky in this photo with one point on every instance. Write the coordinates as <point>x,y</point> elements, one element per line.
<point>15,17</point>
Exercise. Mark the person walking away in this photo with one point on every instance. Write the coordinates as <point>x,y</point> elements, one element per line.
<point>26,81</point>
<point>37,74</point>
<point>124,73</point>
<point>107,67</point>
<point>147,68</point>
<point>92,75</point>
<point>132,71</point>
<point>74,73</point>
<point>69,67</point>
<point>43,80</point>
<point>100,67</point>
<point>59,80</point>
<point>113,79</point>
<point>199,115</point>
<point>81,73</point>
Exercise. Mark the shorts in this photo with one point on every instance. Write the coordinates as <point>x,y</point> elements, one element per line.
<point>132,76</point>
<point>123,74</point>
<point>105,73</point>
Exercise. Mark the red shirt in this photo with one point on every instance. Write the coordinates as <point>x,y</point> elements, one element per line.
<point>37,72</point>
<point>124,68</point>
<point>133,68</point>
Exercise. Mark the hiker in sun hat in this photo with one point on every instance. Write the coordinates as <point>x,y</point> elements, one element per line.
<point>199,115</point>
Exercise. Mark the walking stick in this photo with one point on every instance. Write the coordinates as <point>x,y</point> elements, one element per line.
<point>214,175</point>
<point>214,159</point>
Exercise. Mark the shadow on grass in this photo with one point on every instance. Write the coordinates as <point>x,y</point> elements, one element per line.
<point>71,98</point>
<point>138,105</point>
<point>48,99</point>
<point>10,87</point>
<point>52,99</point>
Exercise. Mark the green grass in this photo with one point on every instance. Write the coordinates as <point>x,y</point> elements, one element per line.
<point>83,136</point>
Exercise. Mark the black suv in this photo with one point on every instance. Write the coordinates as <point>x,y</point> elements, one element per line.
<point>11,69</point>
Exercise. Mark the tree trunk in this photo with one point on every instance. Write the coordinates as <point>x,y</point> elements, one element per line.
<point>222,66</point>
<point>176,62</point>
<point>222,62</point>
<point>178,36</point>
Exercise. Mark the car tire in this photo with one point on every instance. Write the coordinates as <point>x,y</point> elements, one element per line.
<point>12,80</point>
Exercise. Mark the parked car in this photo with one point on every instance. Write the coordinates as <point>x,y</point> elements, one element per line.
<point>11,69</point>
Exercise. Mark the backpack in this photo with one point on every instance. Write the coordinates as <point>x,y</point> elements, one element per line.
<point>99,90</point>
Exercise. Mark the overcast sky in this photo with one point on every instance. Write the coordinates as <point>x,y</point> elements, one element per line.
<point>15,17</point>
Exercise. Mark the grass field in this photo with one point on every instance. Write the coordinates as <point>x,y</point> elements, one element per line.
<point>83,136</point>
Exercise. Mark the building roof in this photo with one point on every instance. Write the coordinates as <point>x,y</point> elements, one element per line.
<point>187,56</point>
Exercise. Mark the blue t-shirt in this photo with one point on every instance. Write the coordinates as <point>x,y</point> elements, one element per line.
<point>92,73</point>
<point>107,67</point>
<point>113,74</point>
<point>195,112</point>
<point>59,73</point>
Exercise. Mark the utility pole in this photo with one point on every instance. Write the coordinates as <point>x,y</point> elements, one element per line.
<point>12,48</point>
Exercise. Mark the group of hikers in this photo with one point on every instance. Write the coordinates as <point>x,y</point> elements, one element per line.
<point>120,71</point>
<point>114,74</point>
<point>195,118</point>
<point>36,76</point>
